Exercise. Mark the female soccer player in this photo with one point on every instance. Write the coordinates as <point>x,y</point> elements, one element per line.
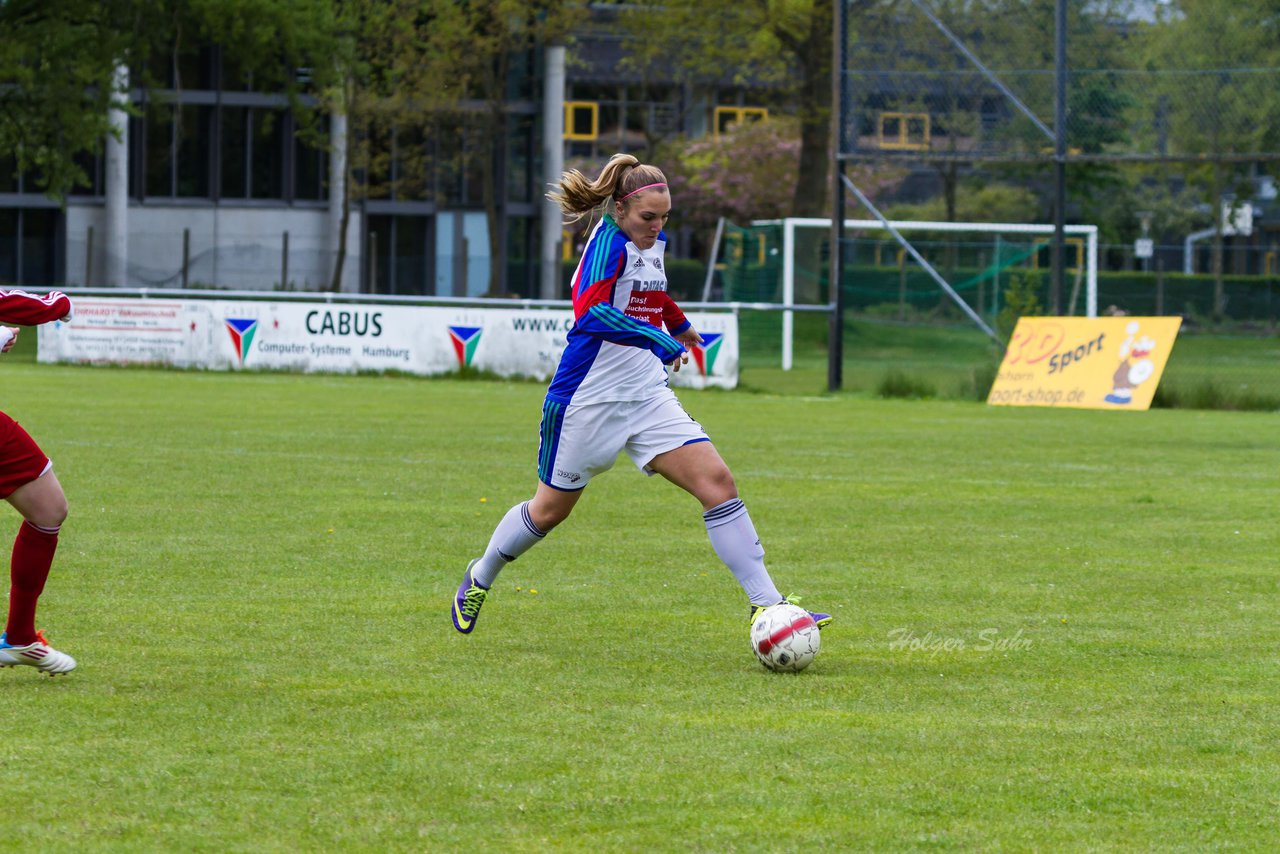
<point>28,483</point>
<point>610,393</point>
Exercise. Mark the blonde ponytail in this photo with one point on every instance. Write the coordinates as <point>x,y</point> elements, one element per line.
<point>621,176</point>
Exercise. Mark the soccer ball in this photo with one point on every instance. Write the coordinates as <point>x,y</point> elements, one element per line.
<point>785,638</point>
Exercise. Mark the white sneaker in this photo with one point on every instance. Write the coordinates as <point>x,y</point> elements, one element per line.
<point>39,655</point>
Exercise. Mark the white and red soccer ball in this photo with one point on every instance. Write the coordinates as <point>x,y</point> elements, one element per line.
<point>785,638</point>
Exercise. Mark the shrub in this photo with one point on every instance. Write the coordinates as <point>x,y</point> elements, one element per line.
<point>896,383</point>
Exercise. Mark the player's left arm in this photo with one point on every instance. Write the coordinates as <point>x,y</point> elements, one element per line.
<point>678,326</point>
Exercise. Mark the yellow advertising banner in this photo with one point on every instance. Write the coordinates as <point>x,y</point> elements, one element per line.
<point>1084,362</point>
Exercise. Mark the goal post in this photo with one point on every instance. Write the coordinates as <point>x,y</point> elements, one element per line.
<point>787,231</point>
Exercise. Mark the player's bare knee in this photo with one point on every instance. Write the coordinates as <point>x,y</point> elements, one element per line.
<point>548,516</point>
<point>50,514</point>
<point>717,487</point>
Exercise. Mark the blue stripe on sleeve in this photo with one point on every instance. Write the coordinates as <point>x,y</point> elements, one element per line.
<point>604,321</point>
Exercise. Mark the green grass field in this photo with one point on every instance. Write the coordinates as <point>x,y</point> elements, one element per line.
<point>1056,630</point>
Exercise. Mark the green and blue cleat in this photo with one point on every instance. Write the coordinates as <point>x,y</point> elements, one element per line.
<point>820,619</point>
<point>467,602</point>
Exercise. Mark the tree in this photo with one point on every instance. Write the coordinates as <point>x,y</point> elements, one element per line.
<point>410,71</point>
<point>749,172</point>
<point>1215,104</point>
<point>980,202</point>
<point>58,63</point>
<point>780,45</point>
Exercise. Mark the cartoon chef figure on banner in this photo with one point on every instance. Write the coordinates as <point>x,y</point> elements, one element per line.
<point>1135,368</point>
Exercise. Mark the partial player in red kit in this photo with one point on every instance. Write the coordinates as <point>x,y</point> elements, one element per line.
<point>28,483</point>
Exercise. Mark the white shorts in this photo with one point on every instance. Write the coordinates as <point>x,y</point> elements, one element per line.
<point>580,441</point>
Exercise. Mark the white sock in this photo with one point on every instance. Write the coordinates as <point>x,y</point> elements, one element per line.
<point>735,541</point>
<point>514,536</point>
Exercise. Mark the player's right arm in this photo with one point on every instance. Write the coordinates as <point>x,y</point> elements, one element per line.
<point>594,284</point>
<point>24,309</point>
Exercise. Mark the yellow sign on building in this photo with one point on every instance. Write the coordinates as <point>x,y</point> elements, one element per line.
<point>1085,363</point>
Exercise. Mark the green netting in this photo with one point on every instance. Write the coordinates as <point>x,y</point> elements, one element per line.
<point>750,267</point>
<point>877,272</point>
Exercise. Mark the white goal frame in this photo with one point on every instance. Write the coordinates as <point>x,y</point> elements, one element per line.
<point>789,224</point>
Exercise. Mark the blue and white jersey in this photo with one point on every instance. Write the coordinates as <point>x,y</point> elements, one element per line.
<point>617,349</point>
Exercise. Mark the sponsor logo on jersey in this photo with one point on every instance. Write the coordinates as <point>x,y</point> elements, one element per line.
<point>706,353</point>
<point>242,330</point>
<point>465,339</point>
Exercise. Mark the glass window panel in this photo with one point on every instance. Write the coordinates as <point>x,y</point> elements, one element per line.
<point>520,160</point>
<point>449,164</point>
<point>234,152</point>
<point>39,247</point>
<point>8,174</point>
<point>474,160</point>
<point>267,168</point>
<point>522,271</point>
<point>193,134</point>
<point>8,246</point>
<point>444,255</point>
<point>378,254</point>
<point>311,164</point>
<point>411,255</point>
<point>475,241</point>
<point>136,139</point>
<point>194,67</point>
<point>159,149</point>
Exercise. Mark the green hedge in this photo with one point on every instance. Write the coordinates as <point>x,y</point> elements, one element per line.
<point>1247,298</point>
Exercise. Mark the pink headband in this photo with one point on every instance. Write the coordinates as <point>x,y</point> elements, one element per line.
<point>641,189</point>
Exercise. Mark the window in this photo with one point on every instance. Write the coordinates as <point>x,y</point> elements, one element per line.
<point>311,170</point>
<point>9,246</point>
<point>252,152</point>
<point>29,246</point>
<point>39,247</point>
<point>520,153</point>
<point>158,150</point>
<point>8,174</point>
<point>581,120</point>
<point>234,152</point>
<point>726,117</point>
<point>193,133</point>
<point>266,180</point>
<point>904,131</point>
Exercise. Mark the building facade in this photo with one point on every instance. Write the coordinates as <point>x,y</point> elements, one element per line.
<point>228,187</point>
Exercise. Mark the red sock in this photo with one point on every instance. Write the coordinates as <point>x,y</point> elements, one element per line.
<point>32,556</point>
